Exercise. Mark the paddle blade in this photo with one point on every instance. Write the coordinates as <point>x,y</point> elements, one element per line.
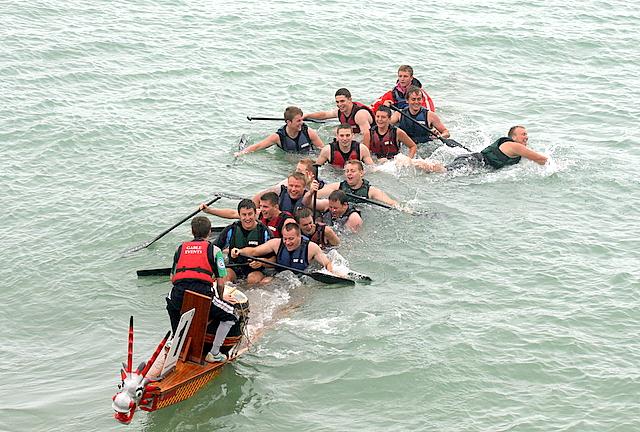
<point>330,279</point>
<point>359,277</point>
<point>154,272</point>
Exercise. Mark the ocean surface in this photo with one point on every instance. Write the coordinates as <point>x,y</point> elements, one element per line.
<point>513,305</point>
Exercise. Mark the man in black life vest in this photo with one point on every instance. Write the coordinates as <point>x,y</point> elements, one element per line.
<point>354,183</point>
<point>247,231</point>
<point>357,115</point>
<point>291,250</point>
<point>344,148</point>
<point>289,197</point>
<point>294,137</point>
<point>196,265</point>
<point>504,151</point>
<point>340,213</point>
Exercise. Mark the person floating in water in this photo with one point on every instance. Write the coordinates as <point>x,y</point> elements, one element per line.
<point>504,151</point>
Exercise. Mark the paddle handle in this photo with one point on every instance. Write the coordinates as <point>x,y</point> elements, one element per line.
<point>368,201</point>
<point>447,141</point>
<point>275,264</point>
<point>250,118</point>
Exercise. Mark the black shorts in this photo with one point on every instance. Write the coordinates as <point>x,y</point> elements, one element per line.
<point>468,161</point>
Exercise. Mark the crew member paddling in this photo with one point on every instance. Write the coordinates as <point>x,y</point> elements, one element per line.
<point>503,152</point>
<point>196,264</point>
<point>291,250</point>
<point>294,137</point>
<point>344,148</point>
<point>357,115</point>
<point>417,112</point>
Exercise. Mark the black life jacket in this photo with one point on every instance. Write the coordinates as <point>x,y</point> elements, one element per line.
<point>299,144</point>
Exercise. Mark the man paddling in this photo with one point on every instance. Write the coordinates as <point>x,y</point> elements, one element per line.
<point>196,265</point>
<point>344,148</point>
<point>357,115</point>
<point>397,95</point>
<point>247,231</point>
<point>289,196</point>
<point>294,137</point>
<point>353,183</point>
<point>291,250</point>
<point>318,232</point>
<point>503,152</point>
<point>417,112</point>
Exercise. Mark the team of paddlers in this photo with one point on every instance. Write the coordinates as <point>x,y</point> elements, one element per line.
<point>291,223</point>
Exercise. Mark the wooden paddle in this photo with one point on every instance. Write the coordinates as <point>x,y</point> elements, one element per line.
<point>320,277</point>
<point>282,119</point>
<point>447,141</point>
<point>165,232</point>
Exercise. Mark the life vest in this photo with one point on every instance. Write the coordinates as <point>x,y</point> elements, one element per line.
<point>275,224</point>
<point>288,204</point>
<point>494,157</point>
<point>318,236</point>
<point>338,158</point>
<point>328,219</point>
<point>238,237</point>
<point>362,191</point>
<point>384,146</point>
<point>417,133</point>
<point>193,262</point>
<point>351,118</point>
<point>300,144</point>
<point>298,258</point>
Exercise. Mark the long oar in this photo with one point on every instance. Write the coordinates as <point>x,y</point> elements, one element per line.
<point>358,198</point>
<point>166,271</point>
<point>282,119</point>
<point>447,141</point>
<point>165,232</point>
<point>315,194</point>
<point>320,277</point>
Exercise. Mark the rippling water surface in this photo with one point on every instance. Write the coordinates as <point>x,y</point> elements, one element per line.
<point>513,306</point>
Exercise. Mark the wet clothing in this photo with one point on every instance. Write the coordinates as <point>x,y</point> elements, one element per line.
<point>288,204</point>
<point>299,144</point>
<point>351,118</point>
<point>275,224</point>
<point>362,191</point>
<point>235,236</point>
<point>298,258</point>
<point>189,272</point>
<point>338,158</point>
<point>491,156</point>
<point>417,133</point>
<point>384,146</point>
<point>318,236</point>
<point>328,219</point>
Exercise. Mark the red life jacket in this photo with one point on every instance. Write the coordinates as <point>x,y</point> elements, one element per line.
<point>351,119</point>
<point>275,224</point>
<point>384,146</point>
<point>338,158</point>
<point>193,262</point>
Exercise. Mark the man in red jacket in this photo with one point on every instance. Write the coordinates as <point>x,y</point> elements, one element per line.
<point>397,95</point>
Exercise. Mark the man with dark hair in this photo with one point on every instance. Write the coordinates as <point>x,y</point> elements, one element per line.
<point>504,151</point>
<point>196,265</point>
<point>341,213</point>
<point>397,95</point>
<point>417,112</point>
<point>247,231</point>
<point>317,232</point>
<point>354,183</point>
<point>344,148</point>
<point>357,115</point>
<point>291,250</point>
<point>271,215</point>
<point>289,197</point>
<point>383,139</point>
<point>294,137</point>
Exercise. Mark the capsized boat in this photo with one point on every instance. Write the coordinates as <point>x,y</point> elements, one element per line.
<point>176,371</point>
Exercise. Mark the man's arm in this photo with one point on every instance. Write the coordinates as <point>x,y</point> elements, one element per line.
<point>365,155</point>
<point>363,119</point>
<point>265,143</point>
<point>331,236</point>
<point>377,194</point>
<point>264,249</point>
<point>256,197</point>
<point>512,149</point>
<point>395,117</point>
<point>324,155</point>
<point>221,270</point>
<point>322,115</point>
<point>387,97</point>
<point>354,222</point>
<point>435,122</point>
<point>315,139</point>
<point>366,138</point>
<point>315,253</point>
<point>327,189</point>
<point>225,213</point>
<point>406,140</point>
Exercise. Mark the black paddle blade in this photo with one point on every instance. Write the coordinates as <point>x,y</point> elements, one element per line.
<point>359,277</point>
<point>330,279</point>
<point>154,272</point>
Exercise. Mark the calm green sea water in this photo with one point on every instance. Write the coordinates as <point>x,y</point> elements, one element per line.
<point>513,307</point>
